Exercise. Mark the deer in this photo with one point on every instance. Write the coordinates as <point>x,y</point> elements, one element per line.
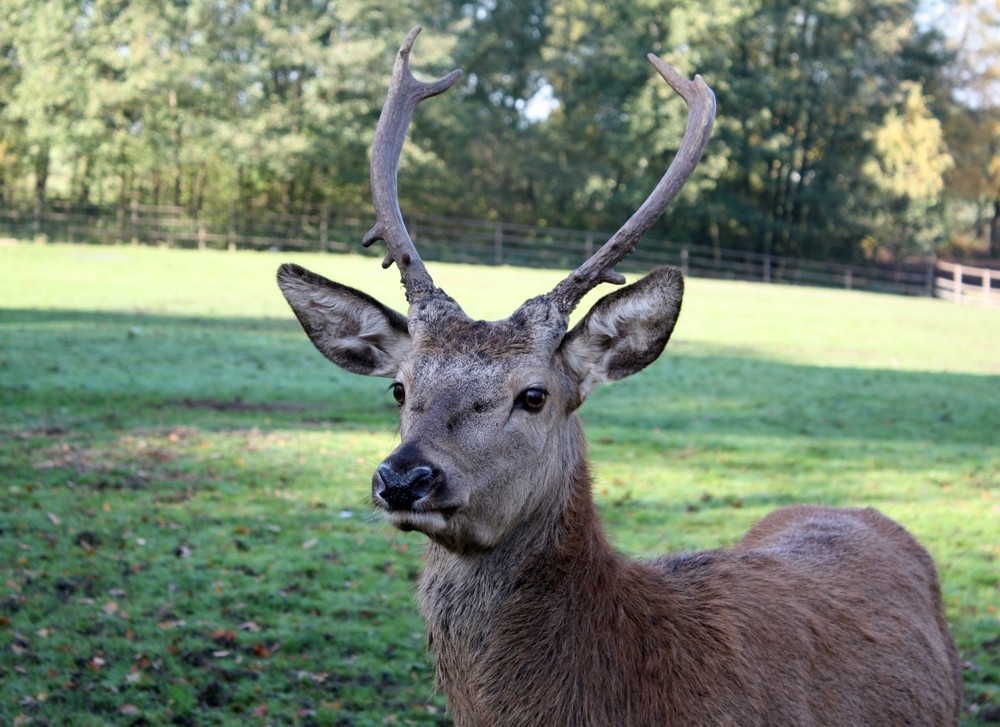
<point>818,616</point>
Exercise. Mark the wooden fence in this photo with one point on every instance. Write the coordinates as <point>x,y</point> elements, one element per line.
<point>475,241</point>
<point>967,284</point>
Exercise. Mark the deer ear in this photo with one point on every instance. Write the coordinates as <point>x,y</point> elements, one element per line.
<point>350,328</point>
<point>625,331</point>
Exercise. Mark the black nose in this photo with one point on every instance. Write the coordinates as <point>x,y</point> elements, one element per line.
<point>399,490</point>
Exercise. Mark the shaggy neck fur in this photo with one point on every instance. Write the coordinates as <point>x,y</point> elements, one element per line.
<point>510,615</point>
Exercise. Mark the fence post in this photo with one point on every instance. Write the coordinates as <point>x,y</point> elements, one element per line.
<point>498,244</point>
<point>324,228</point>
<point>120,221</point>
<point>201,234</point>
<point>848,278</point>
<point>929,278</point>
<point>987,286</point>
<point>133,220</point>
<point>168,239</point>
<point>766,265</point>
<point>231,231</point>
<point>36,223</point>
<point>957,277</point>
<point>588,246</point>
<point>684,261</point>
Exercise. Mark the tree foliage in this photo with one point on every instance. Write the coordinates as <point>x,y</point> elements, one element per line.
<point>836,124</point>
<point>972,126</point>
<point>907,168</point>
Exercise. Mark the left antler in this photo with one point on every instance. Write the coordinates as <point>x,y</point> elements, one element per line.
<point>405,92</point>
<point>599,268</point>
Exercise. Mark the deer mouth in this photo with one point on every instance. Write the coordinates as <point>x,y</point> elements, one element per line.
<point>427,521</point>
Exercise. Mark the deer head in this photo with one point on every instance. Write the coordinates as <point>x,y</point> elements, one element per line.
<point>488,435</point>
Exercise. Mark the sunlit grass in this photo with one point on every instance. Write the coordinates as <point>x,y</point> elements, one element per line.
<point>183,508</point>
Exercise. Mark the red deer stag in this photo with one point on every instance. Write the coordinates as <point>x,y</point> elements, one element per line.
<point>817,616</point>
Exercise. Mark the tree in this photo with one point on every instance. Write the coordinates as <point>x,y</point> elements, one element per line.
<point>47,95</point>
<point>801,88</point>
<point>560,121</point>
<point>908,168</point>
<point>972,30</point>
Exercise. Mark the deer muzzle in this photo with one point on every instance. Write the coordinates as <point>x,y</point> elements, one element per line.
<point>414,494</point>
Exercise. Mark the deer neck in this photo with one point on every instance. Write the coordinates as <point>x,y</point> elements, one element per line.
<point>465,595</point>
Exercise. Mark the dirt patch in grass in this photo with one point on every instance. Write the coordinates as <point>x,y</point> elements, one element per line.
<point>238,405</point>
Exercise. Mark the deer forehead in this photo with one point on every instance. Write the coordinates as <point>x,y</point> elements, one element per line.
<point>443,332</point>
<point>482,367</point>
<point>475,372</point>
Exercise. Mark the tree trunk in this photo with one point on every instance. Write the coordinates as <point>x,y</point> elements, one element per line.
<point>82,182</point>
<point>155,191</point>
<point>41,174</point>
<point>41,183</point>
<point>993,243</point>
<point>198,194</point>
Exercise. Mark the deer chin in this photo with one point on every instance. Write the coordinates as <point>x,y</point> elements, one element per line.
<point>428,522</point>
<point>443,528</point>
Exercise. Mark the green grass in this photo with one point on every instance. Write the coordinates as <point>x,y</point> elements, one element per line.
<point>185,536</point>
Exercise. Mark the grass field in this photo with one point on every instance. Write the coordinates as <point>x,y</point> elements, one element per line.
<point>185,535</point>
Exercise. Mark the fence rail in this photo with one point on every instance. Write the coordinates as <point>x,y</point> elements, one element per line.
<point>480,242</point>
<point>967,284</point>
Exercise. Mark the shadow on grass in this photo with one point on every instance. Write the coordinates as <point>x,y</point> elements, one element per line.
<point>244,370</point>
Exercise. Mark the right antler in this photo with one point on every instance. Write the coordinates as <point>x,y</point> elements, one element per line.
<point>599,268</point>
<point>405,92</point>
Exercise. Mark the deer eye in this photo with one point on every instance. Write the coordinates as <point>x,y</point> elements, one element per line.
<point>532,399</point>
<point>398,393</point>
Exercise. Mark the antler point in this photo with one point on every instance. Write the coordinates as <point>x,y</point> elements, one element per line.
<point>598,268</point>
<point>375,233</point>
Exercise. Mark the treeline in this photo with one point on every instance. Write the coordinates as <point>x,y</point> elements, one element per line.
<point>845,130</point>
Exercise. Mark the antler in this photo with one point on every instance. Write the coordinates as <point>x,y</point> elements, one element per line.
<point>405,92</point>
<point>599,267</point>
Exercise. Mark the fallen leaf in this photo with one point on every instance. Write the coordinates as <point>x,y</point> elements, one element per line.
<point>223,636</point>
<point>306,676</point>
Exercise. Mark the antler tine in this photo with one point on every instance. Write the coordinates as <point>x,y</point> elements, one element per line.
<point>599,268</point>
<point>405,92</point>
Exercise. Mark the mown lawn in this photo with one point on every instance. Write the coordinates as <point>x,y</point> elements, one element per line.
<point>185,536</point>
